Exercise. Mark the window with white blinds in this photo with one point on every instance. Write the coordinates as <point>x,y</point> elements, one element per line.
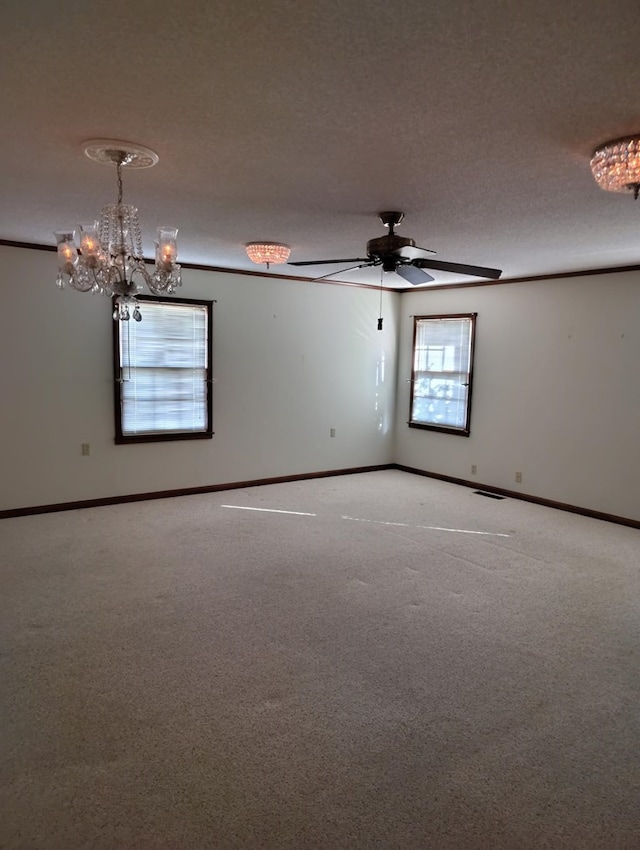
<point>162,372</point>
<point>442,372</point>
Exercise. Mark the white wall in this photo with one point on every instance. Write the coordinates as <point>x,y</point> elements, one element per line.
<point>556,388</point>
<point>556,391</point>
<point>291,361</point>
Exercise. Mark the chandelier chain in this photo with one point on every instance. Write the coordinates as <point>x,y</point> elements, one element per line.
<point>119,173</point>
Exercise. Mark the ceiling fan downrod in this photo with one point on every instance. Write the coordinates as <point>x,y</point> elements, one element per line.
<point>391,219</point>
<point>386,249</point>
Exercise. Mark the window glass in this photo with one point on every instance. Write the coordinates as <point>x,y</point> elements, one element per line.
<point>162,372</point>
<point>442,372</point>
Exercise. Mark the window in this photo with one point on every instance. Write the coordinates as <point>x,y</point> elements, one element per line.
<point>162,372</point>
<point>442,373</point>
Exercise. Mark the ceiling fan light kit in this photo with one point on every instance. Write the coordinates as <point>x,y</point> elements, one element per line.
<point>110,252</point>
<point>267,253</point>
<point>616,165</point>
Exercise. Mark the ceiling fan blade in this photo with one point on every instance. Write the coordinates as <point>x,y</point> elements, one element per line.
<point>413,274</point>
<point>343,271</point>
<point>328,262</point>
<point>412,252</point>
<point>457,268</point>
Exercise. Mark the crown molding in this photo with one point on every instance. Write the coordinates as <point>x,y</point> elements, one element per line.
<point>401,291</point>
<point>205,267</point>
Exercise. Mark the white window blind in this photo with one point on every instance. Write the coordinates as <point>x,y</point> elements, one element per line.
<point>164,369</point>
<point>441,379</point>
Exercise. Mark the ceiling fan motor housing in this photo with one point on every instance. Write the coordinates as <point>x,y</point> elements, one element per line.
<point>389,246</point>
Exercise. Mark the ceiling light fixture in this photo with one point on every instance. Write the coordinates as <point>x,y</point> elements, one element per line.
<point>616,165</point>
<point>268,252</point>
<point>110,251</point>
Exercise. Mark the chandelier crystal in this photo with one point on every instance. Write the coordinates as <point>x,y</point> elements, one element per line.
<point>268,252</point>
<point>109,256</point>
<point>616,165</point>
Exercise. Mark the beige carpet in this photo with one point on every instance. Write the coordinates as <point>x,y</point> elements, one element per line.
<point>362,673</point>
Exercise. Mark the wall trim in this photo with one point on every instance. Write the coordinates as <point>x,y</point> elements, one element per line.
<point>523,497</point>
<point>501,282</point>
<point>205,267</point>
<point>330,473</point>
<point>185,491</point>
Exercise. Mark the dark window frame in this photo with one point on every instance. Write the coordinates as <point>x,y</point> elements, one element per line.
<point>428,426</point>
<point>122,439</point>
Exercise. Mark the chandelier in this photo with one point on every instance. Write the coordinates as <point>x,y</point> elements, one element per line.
<point>616,165</point>
<point>109,257</point>
<point>268,252</point>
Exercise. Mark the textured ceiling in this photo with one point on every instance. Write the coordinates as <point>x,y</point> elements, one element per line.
<point>298,121</point>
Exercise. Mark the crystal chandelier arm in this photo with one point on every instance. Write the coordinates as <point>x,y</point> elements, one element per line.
<point>70,263</point>
<point>141,269</point>
<point>165,282</point>
<point>82,279</point>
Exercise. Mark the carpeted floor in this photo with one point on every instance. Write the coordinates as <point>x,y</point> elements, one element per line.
<point>347,667</point>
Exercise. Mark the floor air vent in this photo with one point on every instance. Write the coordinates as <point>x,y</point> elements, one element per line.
<point>488,495</point>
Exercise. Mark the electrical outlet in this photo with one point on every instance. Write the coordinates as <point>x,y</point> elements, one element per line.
<point>86,449</point>
<point>474,469</point>
<point>332,432</point>
<point>518,478</point>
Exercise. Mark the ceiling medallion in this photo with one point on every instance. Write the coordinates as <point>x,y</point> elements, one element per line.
<point>109,256</point>
<point>616,165</point>
<point>268,252</point>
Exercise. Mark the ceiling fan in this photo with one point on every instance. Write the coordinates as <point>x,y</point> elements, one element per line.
<point>399,254</point>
